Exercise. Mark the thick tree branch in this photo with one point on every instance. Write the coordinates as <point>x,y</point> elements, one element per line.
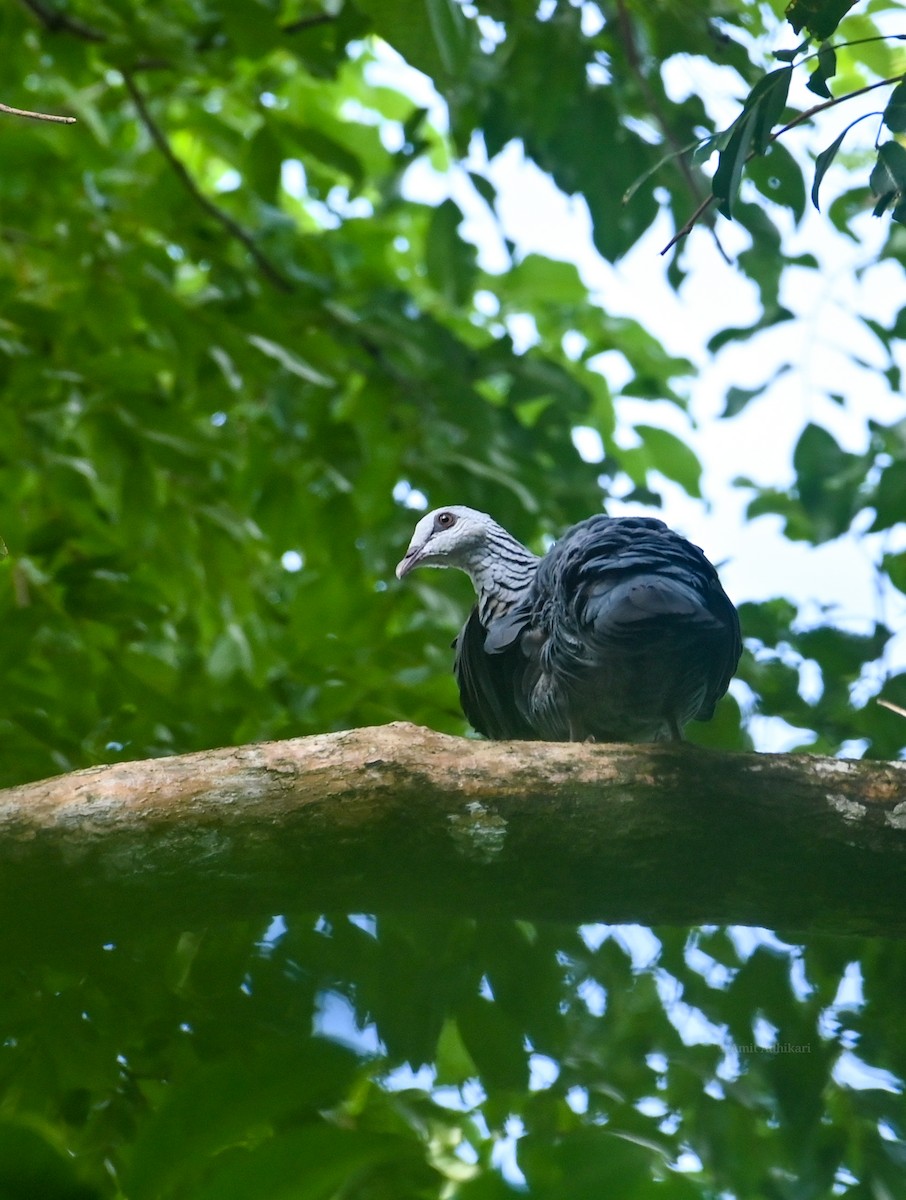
<point>232,226</point>
<point>400,817</point>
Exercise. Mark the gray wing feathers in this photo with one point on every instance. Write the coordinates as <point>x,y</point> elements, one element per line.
<point>487,683</point>
<point>630,634</point>
<point>643,598</point>
<point>625,633</point>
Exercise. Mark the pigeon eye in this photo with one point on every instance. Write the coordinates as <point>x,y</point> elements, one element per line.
<point>444,520</point>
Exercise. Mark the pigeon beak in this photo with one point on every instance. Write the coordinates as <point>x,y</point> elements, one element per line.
<point>407,563</point>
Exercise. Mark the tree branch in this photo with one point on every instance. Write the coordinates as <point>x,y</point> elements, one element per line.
<point>54,21</point>
<point>633,58</point>
<point>799,119</point>
<point>400,817</point>
<point>807,115</point>
<point>303,23</point>
<point>232,226</point>
<point>36,116</point>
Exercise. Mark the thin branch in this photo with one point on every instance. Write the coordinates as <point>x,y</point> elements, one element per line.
<point>55,21</point>
<point>304,23</point>
<point>799,119</point>
<point>834,100</point>
<point>229,223</point>
<point>901,712</point>
<point>36,116</point>
<point>679,152</point>
<point>835,46</point>
<point>690,223</point>
<point>151,64</point>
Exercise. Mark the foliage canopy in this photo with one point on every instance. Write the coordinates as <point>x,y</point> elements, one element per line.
<point>242,333</point>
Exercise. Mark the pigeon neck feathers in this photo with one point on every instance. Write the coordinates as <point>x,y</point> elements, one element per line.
<point>501,574</point>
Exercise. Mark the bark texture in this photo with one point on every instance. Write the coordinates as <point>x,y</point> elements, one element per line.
<point>398,816</point>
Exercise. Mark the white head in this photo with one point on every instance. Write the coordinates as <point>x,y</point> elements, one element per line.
<point>455,536</point>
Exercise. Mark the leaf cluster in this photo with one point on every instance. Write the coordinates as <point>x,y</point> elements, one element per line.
<point>239,350</point>
<point>326,1056</point>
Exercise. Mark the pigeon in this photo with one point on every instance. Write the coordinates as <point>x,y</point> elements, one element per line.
<point>621,632</point>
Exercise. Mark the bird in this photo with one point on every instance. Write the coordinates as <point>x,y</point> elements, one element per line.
<point>621,632</point>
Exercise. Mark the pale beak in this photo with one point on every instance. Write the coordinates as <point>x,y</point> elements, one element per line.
<point>406,564</point>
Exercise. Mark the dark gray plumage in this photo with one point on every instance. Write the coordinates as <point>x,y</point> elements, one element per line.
<point>621,632</point>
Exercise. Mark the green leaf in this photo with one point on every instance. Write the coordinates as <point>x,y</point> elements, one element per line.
<point>727,177</point>
<point>767,101</point>
<point>769,318</point>
<point>290,361</point>
<point>31,1167</point>
<point>408,30</point>
<point>895,112</point>
<point>751,134</point>
<point>537,281</point>
<point>888,176</point>
<point>789,56</point>
<point>329,151</point>
<point>828,479</point>
<point>670,455</point>
<point>230,655</point>
<point>842,654</point>
<point>737,398</point>
<point>708,146</point>
<point>771,621</point>
<point>315,1163</point>
<point>894,566</point>
<point>585,1163</point>
<point>485,189</point>
<point>453,1061</point>
<point>826,69</point>
<point>450,260</point>
<point>487,1186</point>
<point>231,1103</point>
<point>820,17</point>
<point>823,162</point>
<point>451,34</point>
<point>890,497</point>
<point>495,1042</point>
<point>778,176</point>
<point>482,471</point>
<point>700,153</point>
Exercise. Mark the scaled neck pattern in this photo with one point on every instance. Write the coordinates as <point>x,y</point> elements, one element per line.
<point>502,574</point>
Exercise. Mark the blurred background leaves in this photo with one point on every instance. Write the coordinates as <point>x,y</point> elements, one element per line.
<point>239,349</point>
<point>236,348</point>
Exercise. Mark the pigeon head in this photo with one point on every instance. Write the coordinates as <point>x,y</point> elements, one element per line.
<point>455,536</point>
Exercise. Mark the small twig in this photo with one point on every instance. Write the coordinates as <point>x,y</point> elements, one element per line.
<point>229,223</point>
<point>36,116</point>
<point>689,224</point>
<point>835,46</point>
<point>901,712</point>
<point>799,119</point>
<point>54,21</point>
<point>151,64</point>
<point>308,23</point>
<point>834,100</point>
<point>634,60</point>
<point>21,588</point>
